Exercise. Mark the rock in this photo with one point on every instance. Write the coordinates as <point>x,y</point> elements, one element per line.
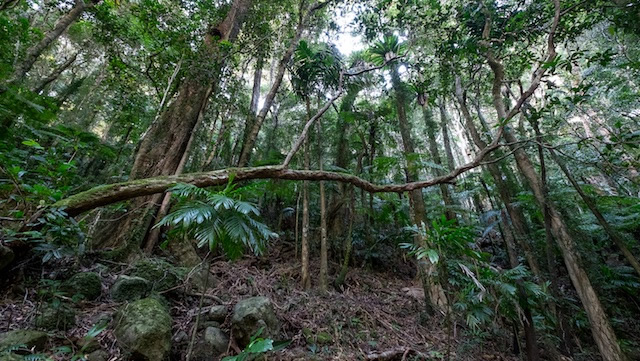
<point>162,274</point>
<point>6,256</point>
<point>30,338</point>
<point>251,314</point>
<point>206,324</point>
<point>56,318</point>
<point>213,343</point>
<point>216,338</point>
<point>143,330</point>
<point>181,336</point>
<point>128,288</point>
<point>98,355</point>
<point>217,313</point>
<point>87,284</point>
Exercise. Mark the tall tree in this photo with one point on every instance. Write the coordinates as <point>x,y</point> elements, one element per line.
<point>165,143</point>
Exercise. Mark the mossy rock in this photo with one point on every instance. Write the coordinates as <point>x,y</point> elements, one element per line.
<point>162,274</point>
<point>250,315</point>
<point>128,288</point>
<point>143,330</point>
<point>56,318</point>
<point>87,284</point>
<point>29,338</point>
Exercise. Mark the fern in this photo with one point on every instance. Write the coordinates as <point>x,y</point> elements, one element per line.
<point>217,219</point>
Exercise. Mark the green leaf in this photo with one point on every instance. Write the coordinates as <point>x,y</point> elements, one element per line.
<point>260,346</point>
<point>433,255</point>
<point>32,143</point>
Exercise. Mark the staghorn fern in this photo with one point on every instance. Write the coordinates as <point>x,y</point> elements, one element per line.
<point>218,219</point>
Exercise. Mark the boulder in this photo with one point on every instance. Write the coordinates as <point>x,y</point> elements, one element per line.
<point>98,355</point>
<point>30,338</point>
<point>162,274</point>
<point>87,284</point>
<point>6,256</point>
<point>217,313</point>
<point>143,330</point>
<point>53,318</point>
<point>130,289</point>
<point>214,342</point>
<point>251,314</point>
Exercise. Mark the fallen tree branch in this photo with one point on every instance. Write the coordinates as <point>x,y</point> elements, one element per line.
<point>112,193</point>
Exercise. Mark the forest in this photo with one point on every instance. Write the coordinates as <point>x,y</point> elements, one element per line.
<point>198,180</point>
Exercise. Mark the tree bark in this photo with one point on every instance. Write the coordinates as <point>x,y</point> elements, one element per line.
<point>324,267</point>
<point>433,292</point>
<point>526,317</point>
<point>591,204</point>
<point>34,52</point>
<point>306,279</point>
<point>247,147</point>
<point>435,155</point>
<point>165,143</point>
<point>55,74</point>
<point>505,194</point>
<point>601,329</point>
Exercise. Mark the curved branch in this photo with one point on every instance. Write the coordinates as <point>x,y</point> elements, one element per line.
<point>108,194</point>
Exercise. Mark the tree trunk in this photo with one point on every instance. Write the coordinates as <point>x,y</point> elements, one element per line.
<point>34,52</point>
<point>505,194</point>
<point>435,155</point>
<point>613,235</point>
<point>306,280</point>
<point>444,123</point>
<point>164,145</point>
<point>253,105</point>
<point>601,329</point>
<point>526,317</point>
<point>252,136</point>
<point>55,74</point>
<point>348,241</point>
<point>433,292</point>
<point>323,279</point>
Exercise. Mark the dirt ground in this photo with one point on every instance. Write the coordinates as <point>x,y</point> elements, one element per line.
<point>375,316</point>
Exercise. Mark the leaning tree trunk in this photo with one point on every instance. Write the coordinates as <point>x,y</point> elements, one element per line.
<point>55,74</point>
<point>34,52</point>
<point>252,136</point>
<point>613,235</point>
<point>601,329</point>
<point>505,194</point>
<point>164,145</point>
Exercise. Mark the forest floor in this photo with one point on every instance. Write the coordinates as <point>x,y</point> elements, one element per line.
<point>375,315</point>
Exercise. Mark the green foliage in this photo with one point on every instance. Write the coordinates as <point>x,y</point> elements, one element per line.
<point>218,219</point>
<point>258,346</point>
